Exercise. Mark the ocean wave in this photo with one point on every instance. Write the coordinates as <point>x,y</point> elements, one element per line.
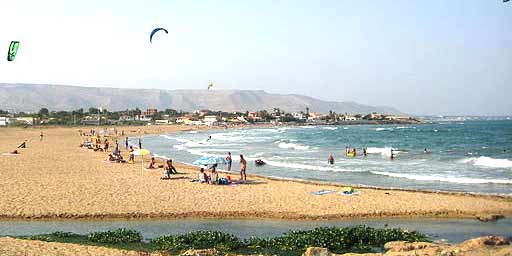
<point>305,166</point>
<point>175,138</point>
<point>330,128</point>
<point>287,145</point>
<point>460,180</point>
<point>488,162</point>
<point>383,129</point>
<point>383,151</point>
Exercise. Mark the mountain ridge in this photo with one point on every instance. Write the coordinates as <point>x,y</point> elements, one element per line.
<point>32,97</point>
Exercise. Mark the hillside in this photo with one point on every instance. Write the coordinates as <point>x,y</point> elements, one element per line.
<point>32,97</point>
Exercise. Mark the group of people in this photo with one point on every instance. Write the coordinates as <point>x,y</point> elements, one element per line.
<point>243,165</point>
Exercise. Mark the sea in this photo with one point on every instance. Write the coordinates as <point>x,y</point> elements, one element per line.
<point>462,156</point>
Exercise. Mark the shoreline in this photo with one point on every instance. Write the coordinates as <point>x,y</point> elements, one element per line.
<point>119,191</point>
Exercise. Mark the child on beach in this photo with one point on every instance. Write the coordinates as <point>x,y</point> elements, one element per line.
<point>151,164</point>
<point>229,161</point>
<point>203,178</point>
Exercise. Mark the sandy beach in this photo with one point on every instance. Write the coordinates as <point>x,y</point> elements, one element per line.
<point>56,178</point>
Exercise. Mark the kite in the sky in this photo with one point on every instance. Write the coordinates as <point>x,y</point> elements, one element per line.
<point>210,85</point>
<point>154,31</point>
<point>13,49</point>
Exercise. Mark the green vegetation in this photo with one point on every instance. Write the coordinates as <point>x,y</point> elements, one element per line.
<point>338,240</point>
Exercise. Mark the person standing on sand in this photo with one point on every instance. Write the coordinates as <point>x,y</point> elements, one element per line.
<point>126,142</point>
<point>229,160</point>
<point>140,144</point>
<point>106,145</point>
<point>41,136</point>
<point>243,167</point>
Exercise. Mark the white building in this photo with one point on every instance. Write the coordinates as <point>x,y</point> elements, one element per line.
<point>210,120</point>
<point>4,121</point>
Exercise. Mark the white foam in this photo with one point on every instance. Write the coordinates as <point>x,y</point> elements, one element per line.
<point>488,162</point>
<point>305,166</point>
<point>383,129</point>
<point>383,151</point>
<point>330,128</point>
<point>460,180</point>
<point>295,146</point>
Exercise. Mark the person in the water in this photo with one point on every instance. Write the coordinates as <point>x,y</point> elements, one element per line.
<point>330,159</point>
<point>364,152</point>
<point>392,156</point>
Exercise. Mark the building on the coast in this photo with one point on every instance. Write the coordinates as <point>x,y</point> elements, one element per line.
<point>349,118</point>
<point>254,116</point>
<point>398,118</point>
<point>315,116</point>
<point>210,120</point>
<point>26,120</point>
<point>125,117</point>
<point>298,115</point>
<point>241,119</point>
<point>161,121</point>
<point>4,121</point>
<point>150,112</point>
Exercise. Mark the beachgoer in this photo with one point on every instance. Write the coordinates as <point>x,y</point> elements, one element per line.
<point>392,156</point>
<point>126,142</point>
<point>202,176</point>
<point>151,164</point>
<point>354,152</point>
<point>41,136</point>
<point>330,159</point>
<point>365,153</point>
<point>106,145</point>
<point>110,158</point>
<point>131,156</point>
<point>243,168</point>
<point>347,150</point>
<point>209,138</point>
<point>229,160</point>
<point>140,144</point>
<point>117,152</point>
<point>426,151</point>
<point>214,176</point>
<point>169,169</point>
<point>14,152</point>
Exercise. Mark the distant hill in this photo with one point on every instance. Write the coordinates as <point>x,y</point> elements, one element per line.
<point>32,97</point>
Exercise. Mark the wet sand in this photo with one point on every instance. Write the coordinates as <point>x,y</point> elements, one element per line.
<point>56,178</point>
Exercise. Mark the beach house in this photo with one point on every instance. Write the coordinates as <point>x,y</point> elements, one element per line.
<point>210,120</point>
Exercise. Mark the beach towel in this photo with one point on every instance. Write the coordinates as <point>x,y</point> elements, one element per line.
<point>322,192</point>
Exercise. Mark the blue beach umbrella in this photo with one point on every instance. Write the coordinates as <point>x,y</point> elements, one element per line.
<point>209,160</point>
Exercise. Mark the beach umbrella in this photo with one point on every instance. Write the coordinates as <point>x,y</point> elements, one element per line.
<point>142,153</point>
<point>210,160</point>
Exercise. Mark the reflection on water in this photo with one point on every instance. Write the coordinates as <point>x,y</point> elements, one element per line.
<point>453,230</point>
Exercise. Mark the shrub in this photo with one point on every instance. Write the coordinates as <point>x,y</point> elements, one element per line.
<point>198,240</point>
<point>360,238</point>
<point>121,235</point>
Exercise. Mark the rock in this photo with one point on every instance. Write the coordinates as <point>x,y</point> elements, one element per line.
<point>489,217</point>
<point>483,242</point>
<point>401,246</point>
<point>202,252</point>
<point>317,251</point>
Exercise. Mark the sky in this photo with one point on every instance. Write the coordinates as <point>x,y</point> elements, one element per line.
<point>422,57</point>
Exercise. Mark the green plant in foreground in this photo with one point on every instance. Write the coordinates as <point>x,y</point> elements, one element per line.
<point>198,240</point>
<point>121,235</point>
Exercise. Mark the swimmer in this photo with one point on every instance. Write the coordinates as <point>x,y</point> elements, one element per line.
<point>330,159</point>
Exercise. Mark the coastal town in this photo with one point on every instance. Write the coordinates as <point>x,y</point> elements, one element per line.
<point>203,117</point>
